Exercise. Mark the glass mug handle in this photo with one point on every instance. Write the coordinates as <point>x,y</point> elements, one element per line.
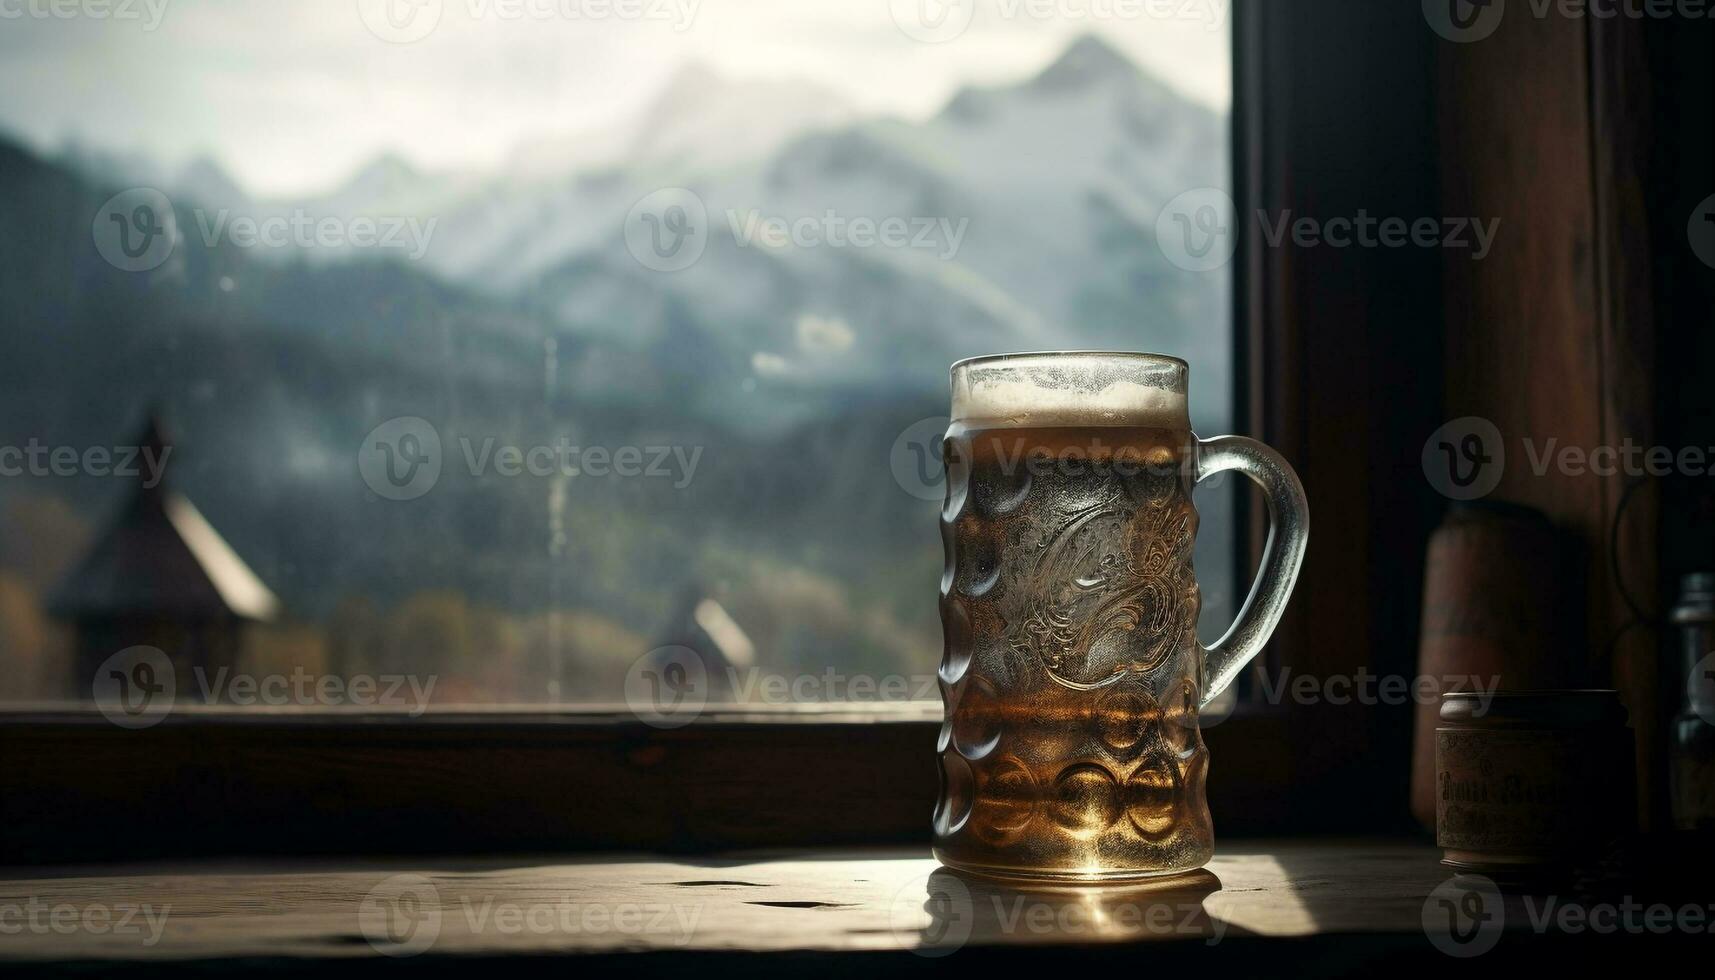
<point>1288,533</point>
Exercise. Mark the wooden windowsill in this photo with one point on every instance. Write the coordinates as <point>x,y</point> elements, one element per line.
<point>513,716</point>
<point>209,781</point>
<point>1333,903</point>
<point>851,901</point>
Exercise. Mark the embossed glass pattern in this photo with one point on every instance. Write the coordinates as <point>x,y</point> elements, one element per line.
<point>1072,675</point>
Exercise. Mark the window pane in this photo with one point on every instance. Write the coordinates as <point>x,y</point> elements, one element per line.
<point>494,347</point>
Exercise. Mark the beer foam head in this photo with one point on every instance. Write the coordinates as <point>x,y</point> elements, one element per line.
<point>1071,388</point>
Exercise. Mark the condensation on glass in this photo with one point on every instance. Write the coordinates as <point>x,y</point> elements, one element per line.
<point>1072,673</point>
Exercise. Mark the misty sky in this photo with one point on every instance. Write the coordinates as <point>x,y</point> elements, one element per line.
<point>292,95</point>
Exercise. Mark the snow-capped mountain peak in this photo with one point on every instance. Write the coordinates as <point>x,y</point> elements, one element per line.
<point>1088,60</point>
<point>203,179</point>
<point>384,176</point>
<point>706,121</point>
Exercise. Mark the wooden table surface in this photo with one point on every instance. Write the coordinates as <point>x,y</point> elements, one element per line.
<point>755,902</point>
<point>1288,907</point>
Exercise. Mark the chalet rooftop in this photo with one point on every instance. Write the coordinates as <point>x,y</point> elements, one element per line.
<point>161,557</point>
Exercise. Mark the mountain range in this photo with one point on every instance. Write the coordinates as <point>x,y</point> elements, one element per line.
<point>1056,181</point>
<point>528,320</point>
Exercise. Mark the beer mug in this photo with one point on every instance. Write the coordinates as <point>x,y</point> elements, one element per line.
<point>1072,674</point>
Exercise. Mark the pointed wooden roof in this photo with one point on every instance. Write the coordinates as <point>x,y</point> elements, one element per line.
<point>705,626</point>
<point>162,557</point>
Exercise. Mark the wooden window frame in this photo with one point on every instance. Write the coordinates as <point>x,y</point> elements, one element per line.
<point>221,781</point>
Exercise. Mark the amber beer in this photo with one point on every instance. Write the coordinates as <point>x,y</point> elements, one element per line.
<point>1072,675</point>
<point>1071,579</point>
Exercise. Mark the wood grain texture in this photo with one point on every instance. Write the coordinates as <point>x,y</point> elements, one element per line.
<point>1546,126</point>
<point>1622,110</point>
<point>241,782</point>
<point>1523,340</point>
<point>246,781</point>
<point>1336,120</point>
<point>864,900</point>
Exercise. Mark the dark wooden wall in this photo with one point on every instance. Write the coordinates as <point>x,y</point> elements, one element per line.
<point>1589,139</point>
<point>1336,115</point>
<point>1574,132</point>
